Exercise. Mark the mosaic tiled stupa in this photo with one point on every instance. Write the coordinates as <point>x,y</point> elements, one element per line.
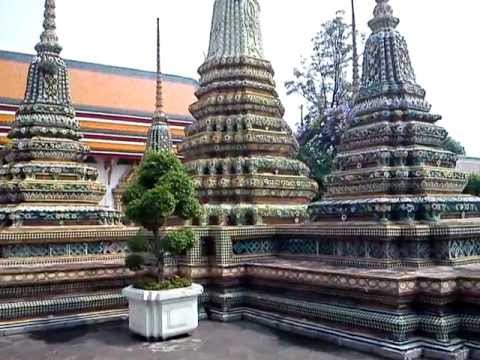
<point>240,150</point>
<point>60,251</point>
<point>391,167</point>
<point>44,181</point>
<point>390,263</point>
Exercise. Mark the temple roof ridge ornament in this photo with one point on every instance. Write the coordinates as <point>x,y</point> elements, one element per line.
<point>236,30</point>
<point>48,38</point>
<point>159,137</point>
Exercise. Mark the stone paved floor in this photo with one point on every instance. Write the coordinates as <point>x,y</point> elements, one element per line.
<point>212,341</point>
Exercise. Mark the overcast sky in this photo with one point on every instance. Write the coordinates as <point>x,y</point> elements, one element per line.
<point>443,38</point>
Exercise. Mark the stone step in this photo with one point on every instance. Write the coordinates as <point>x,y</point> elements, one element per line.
<point>59,322</point>
<point>60,305</point>
<point>411,349</point>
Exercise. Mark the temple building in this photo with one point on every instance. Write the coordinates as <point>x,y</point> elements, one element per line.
<point>114,108</point>
<point>469,165</point>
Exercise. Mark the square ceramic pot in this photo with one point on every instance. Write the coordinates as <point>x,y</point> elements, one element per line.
<point>163,314</point>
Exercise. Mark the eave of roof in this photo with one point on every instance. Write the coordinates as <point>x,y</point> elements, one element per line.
<point>106,113</point>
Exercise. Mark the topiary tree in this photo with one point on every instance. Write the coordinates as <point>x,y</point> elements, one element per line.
<point>161,189</point>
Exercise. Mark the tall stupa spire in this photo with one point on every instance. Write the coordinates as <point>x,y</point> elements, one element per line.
<point>159,137</point>
<point>240,150</point>
<point>387,67</point>
<point>236,30</point>
<point>356,67</point>
<point>48,38</point>
<point>159,88</point>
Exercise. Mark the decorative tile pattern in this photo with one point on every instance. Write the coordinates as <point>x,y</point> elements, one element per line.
<point>65,305</point>
<point>240,150</point>
<point>69,249</point>
<point>391,166</point>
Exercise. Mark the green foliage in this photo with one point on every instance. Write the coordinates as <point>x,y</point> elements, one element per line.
<point>188,208</point>
<point>177,242</point>
<point>320,163</point>
<point>138,244</point>
<point>473,186</point>
<point>324,83</point>
<point>152,284</point>
<point>135,262</point>
<point>161,189</point>
<point>156,165</point>
<point>323,80</point>
<point>132,192</point>
<point>454,146</point>
<point>179,183</point>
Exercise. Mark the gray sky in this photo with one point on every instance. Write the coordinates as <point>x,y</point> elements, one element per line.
<point>442,37</point>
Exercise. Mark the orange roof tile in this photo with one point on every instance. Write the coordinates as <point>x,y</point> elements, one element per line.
<point>103,88</point>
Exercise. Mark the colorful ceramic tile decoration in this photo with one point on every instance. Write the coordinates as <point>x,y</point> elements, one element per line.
<point>44,181</point>
<point>60,251</point>
<point>388,262</point>
<point>382,261</point>
<point>240,150</point>
<point>159,137</point>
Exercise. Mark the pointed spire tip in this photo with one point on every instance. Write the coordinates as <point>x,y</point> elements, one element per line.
<point>355,58</point>
<point>383,16</point>
<point>159,114</point>
<point>48,38</point>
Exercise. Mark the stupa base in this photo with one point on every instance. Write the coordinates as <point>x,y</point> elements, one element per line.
<point>251,214</point>
<point>62,270</point>
<point>402,308</point>
<point>49,215</point>
<point>398,314</point>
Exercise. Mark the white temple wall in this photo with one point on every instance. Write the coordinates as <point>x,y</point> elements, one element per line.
<point>110,173</point>
<point>470,165</point>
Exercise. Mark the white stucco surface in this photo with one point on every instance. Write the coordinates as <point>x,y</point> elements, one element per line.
<point>163,314</point>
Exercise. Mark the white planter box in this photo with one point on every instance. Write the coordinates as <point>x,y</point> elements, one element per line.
<point>163,314</point>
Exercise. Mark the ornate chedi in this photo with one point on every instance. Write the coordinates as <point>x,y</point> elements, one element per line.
<point>44,181</point>
<point>390,262</point>
<point>391,165</point>
<point>60,251</point>
<point>392,169</point>
<point>399,281</point>
<point>240,150</point>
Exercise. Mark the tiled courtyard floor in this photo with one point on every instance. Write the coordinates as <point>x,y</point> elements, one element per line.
<point>212,341</point>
